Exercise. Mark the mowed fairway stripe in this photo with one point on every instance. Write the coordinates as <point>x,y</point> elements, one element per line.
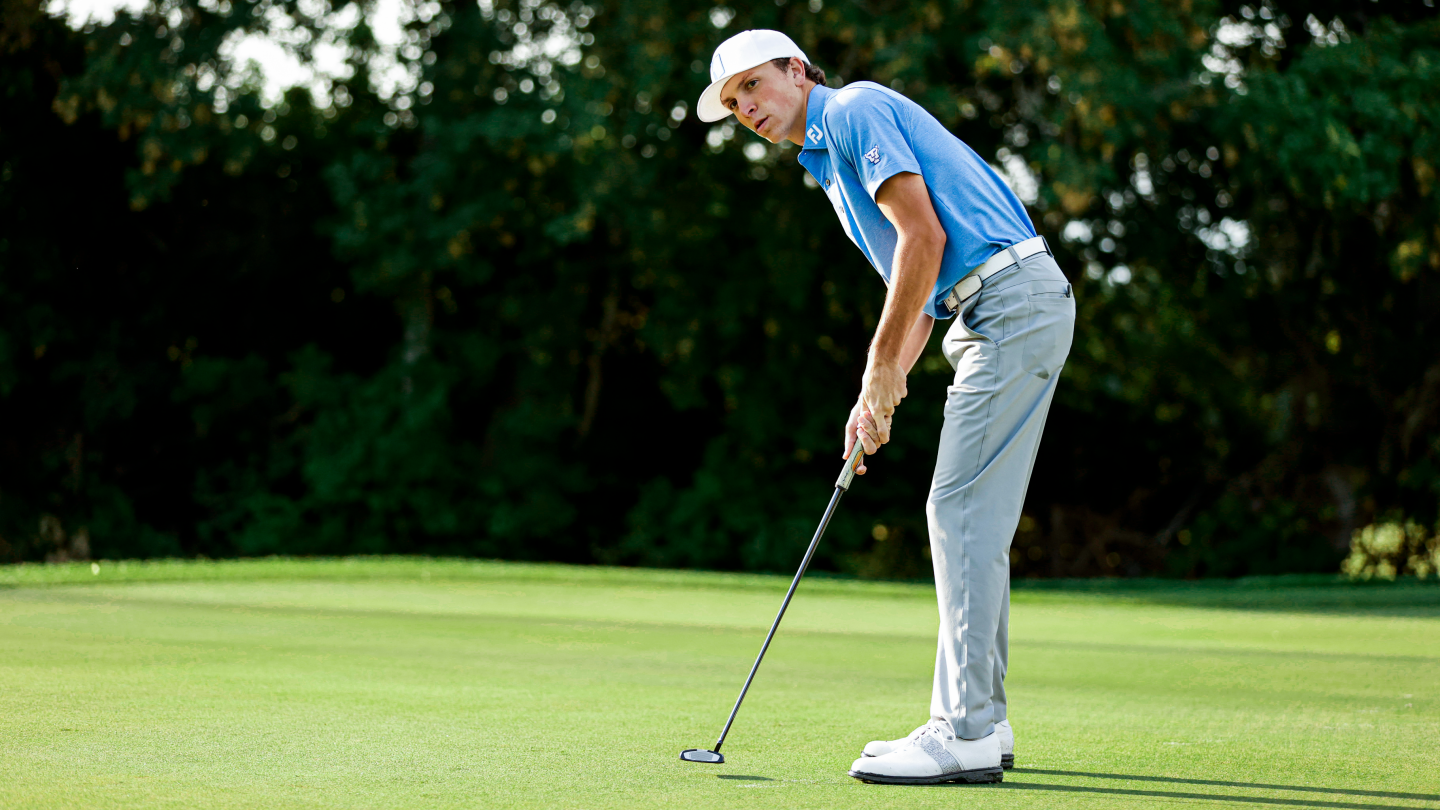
<point>522,694</point>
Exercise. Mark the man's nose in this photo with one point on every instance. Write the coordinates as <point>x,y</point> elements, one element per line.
<point>748,108</point>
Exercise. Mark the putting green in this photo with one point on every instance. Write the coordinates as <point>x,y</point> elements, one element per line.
<point>421,683</point>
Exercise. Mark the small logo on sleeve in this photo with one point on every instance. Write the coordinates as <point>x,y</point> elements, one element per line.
<point>873,155</point>
<point>814,134</point>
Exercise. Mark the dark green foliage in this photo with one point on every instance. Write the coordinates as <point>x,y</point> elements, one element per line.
<point>526,309</point>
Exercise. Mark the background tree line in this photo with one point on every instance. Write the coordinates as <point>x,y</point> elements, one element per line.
<point>499,293</point>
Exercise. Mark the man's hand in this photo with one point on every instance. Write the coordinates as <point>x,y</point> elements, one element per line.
<point>881,390</point>
<point>864,427</point>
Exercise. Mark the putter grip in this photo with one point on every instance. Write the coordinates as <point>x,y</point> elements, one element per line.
<point>848,474</point>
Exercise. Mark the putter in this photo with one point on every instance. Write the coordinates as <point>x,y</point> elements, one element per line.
<point>842,485</point>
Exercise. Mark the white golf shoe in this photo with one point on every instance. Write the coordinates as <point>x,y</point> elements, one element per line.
<point>931,756</point>
<point>879,748</point>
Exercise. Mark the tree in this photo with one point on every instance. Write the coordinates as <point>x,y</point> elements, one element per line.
<point>501,294</point>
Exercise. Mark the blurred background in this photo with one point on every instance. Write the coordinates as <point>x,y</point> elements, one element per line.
<point>453,278</point>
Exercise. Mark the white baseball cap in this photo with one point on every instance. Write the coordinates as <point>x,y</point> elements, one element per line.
<point>738,54</point>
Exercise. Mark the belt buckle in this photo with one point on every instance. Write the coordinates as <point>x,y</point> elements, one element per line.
<point>959,296</point>
<point>966,288</point>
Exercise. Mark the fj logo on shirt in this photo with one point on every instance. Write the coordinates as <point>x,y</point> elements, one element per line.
<point>815,134</point>
<point>873,155</point>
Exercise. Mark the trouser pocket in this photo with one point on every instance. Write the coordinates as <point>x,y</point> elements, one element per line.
<point>1049,330</point>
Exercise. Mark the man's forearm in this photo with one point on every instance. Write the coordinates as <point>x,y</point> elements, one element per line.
<point>913,273</point>
<point>915,343</point>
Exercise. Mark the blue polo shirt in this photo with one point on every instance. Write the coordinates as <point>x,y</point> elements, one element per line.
<point>863,134</point>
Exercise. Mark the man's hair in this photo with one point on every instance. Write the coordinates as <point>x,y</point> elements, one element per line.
<point>812,73</point>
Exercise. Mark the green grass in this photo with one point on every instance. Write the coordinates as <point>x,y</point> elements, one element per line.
<point>395,683</point>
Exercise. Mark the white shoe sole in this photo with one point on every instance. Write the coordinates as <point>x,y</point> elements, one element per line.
<point>978,776</point>
<point>1007,761</point>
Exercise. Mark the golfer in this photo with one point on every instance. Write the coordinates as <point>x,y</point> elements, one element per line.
<point>951,241</point>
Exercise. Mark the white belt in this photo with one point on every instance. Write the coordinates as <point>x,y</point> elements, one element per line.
<point>1004,260</point>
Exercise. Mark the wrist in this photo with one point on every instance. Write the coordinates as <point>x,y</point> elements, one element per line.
<point>879,363</point>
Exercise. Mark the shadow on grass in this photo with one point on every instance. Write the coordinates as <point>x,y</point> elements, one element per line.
<point>1214,797</point>
<point>1226,652</point>
<point>1293,593</point>
<point>742,778</point>
<point>1379,794</point>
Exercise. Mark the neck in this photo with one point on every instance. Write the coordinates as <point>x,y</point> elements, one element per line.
<point>797,130</point>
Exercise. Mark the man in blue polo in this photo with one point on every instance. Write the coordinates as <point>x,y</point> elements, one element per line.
<point>951,241</point>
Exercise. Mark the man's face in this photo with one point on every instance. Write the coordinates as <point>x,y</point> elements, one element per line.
<point>767,100</point>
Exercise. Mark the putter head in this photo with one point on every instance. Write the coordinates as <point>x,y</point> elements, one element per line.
<point>701,755</point>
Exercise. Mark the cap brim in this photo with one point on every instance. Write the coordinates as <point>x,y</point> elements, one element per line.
<point>709,108</point>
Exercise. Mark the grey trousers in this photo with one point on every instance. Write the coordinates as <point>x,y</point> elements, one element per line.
<point>1007,346</point>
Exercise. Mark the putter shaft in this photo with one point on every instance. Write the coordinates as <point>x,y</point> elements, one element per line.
<point>842,485</point>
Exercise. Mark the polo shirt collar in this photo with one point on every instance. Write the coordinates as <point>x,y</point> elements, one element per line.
<point>815,137</point>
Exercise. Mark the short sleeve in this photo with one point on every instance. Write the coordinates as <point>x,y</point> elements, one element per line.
<point>868,130</point>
